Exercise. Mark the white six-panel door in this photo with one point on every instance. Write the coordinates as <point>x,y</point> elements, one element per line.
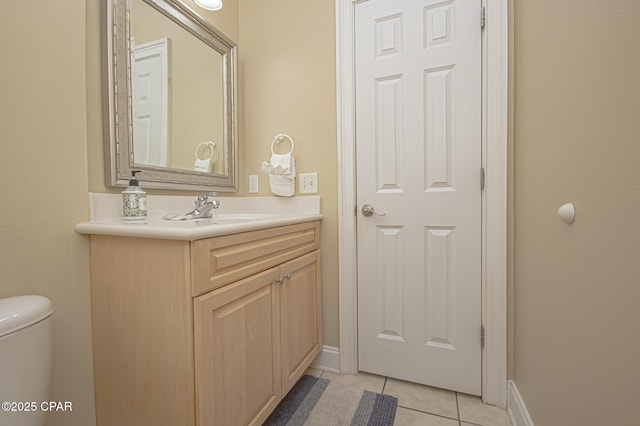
<point>418,148</point>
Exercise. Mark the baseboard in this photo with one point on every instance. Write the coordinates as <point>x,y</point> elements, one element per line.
<point>515,406</point>
<point>328,359</point>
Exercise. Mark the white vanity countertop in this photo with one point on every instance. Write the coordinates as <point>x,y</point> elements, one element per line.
<point>236,214</point>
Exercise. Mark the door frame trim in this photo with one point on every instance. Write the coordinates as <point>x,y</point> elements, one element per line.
<point>494,196</point>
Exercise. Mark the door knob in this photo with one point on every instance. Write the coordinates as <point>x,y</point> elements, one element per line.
<point>368,210</point>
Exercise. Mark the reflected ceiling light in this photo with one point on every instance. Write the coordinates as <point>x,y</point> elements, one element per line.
<point>209,4</point>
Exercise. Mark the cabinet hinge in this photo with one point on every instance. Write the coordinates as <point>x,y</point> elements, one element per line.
<point>482,178</point>
<point>482,336</point>
<point>483,17</point>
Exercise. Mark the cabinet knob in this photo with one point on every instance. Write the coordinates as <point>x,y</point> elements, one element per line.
<point>282,278</point>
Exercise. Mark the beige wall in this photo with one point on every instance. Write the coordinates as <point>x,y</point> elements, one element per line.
<point>577,138</point>
<point>287,84</point>
<point>43,167</point>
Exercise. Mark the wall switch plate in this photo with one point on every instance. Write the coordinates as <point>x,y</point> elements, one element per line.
<point>253,184</point>
<point>308,183</point>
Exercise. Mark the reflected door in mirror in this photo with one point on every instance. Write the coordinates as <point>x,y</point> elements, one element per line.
<point>150,90</point>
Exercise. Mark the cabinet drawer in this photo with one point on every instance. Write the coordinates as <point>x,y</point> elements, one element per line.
<point>218,261</point>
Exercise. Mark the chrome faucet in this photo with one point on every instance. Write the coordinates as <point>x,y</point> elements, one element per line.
<point>204,207</point>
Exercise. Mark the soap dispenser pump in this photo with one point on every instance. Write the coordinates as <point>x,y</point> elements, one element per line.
<point>134,201</point>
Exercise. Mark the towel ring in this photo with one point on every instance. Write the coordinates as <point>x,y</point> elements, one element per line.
<point>279,138</point>
<point>211,145</point>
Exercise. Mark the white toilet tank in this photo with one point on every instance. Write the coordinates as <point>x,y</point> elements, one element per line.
<point>26,340</point>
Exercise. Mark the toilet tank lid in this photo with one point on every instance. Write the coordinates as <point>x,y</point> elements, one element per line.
<point>19,312</point>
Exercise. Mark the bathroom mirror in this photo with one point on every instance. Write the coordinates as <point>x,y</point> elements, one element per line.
<point>169,98</point>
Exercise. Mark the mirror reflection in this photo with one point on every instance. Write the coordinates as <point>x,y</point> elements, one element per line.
<point>171,106</point>
<point>177,95</point>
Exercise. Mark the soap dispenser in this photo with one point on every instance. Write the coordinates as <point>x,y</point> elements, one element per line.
<point>134,202</point>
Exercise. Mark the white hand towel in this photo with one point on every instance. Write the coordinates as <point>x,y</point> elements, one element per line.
<point>281,170</point>
<point>277,170</point>
<point>285,161</point>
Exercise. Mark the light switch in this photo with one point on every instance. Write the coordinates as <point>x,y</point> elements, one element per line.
<point>253,184</point>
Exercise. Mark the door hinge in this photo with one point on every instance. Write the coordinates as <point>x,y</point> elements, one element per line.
<point>482,336</point>
<point>483,17</point>
<point>482,178</point>
<point>355,210</point>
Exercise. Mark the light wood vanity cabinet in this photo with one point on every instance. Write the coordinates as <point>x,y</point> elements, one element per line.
<point>210,332</point>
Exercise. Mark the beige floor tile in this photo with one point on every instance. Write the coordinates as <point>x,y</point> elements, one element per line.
<point>367,381</point>
<point>423,398</point>
<point>406,417</point>
<point>473,410</point>
<point>313,372</point>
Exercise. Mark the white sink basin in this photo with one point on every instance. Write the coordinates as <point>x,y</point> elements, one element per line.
<point>244,216</point>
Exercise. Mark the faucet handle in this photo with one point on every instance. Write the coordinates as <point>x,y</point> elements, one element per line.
<point>205,197</point>
<point>216,203</point>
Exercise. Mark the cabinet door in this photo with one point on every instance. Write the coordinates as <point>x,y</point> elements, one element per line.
<point>301,316</point>
<point>237,352</point>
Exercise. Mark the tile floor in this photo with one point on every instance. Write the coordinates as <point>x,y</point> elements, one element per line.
<point>423,405</point>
